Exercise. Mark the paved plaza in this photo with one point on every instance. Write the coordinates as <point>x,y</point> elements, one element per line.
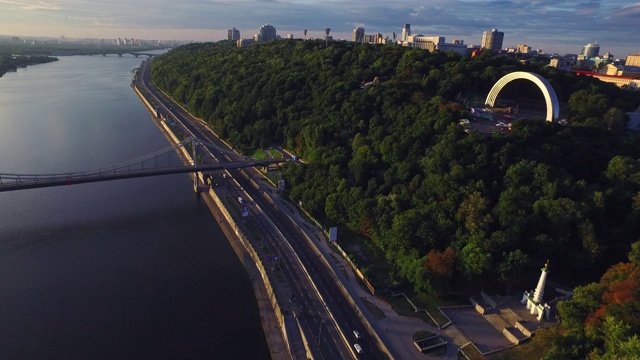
<point>477,329</point>
<point>485,331</point>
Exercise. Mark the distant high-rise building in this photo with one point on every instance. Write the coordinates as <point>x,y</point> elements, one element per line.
<point>492,39</point>
<point>374,39</point>
<point>233,34</point>
<point>590,50</point>
<point>406,32</point>
<point>358,34</point>
<point>267,33</point>
<point>244,42</point>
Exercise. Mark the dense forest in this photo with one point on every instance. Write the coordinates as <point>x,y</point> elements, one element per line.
<point>386,158</point>
<point>9,62</point>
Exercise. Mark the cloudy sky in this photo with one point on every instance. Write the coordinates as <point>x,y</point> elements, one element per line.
<point>552,25</point>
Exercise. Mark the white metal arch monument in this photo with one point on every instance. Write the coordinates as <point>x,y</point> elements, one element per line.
<point>550,97</point>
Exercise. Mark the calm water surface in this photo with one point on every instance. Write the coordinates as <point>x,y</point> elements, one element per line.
<point>127,269</point>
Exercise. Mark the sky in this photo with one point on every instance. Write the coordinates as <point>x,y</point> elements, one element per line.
<point>555,26</point>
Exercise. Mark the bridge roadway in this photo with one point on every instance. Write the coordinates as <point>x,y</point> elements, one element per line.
<point>10,182</point>
<point>333,339</point>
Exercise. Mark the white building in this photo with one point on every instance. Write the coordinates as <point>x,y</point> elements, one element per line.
<point>459,48</point>
<point>406,32</point>
<point>590,50</point>
<point>433,43</point>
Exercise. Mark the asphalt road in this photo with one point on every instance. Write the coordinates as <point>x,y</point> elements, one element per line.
<point>328,319</point>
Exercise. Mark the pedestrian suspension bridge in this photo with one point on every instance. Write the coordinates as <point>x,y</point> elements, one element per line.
<point>193,156</point>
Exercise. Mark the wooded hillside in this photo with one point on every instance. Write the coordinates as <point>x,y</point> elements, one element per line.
<point>389,160</point>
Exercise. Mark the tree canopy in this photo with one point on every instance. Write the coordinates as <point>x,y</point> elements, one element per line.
<point>386,157</point>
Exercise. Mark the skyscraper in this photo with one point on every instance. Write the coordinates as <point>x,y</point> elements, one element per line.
<point>492,39</point>
<point>591,50</point>
<point>406,32</point>
<point>233,34</point>
<point>358,34</point>
<point>267,33</point>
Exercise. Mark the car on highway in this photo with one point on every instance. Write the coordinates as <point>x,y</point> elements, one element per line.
<point>358,348</point>
<point>357,335</point>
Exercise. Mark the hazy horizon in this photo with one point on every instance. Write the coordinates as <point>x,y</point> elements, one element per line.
<point>555,26</point>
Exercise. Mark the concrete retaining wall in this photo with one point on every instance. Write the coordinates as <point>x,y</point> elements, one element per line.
<point>510,336</point>
<point>479,308</point>
<point>524,330</point>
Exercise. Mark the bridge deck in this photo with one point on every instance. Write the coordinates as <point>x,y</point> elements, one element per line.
<point>11,182</point>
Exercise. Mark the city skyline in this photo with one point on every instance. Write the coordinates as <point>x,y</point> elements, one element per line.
<point>552,25</point>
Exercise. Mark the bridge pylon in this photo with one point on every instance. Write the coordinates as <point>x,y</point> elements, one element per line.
<point>197,186</point>
<point>194,157</point>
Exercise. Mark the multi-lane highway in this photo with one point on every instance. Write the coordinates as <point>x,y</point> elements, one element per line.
<point>326,315</point>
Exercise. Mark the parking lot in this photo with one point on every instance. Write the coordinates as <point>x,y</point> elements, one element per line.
<point>485,126</point>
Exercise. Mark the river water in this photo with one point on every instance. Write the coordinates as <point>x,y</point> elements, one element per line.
<point>127,269</point>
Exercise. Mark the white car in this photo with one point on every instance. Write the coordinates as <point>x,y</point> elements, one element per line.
<point>358,348</point>
<point>356,333</point>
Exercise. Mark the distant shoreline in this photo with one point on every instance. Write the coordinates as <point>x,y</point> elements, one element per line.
<point>12,63</point>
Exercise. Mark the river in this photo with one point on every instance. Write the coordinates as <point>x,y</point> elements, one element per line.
<point>127,269</point>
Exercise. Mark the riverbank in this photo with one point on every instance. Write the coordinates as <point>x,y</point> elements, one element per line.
<point>10,62</point>
<point>270,314</point>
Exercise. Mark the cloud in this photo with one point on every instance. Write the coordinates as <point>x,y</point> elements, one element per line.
<point>31,5</point>
<point>628,11</point>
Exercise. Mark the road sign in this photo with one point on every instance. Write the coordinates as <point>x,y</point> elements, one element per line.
<point>333,234</point>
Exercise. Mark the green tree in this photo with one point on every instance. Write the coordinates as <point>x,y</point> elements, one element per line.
<point>474,261</point>
<point>513,268</point>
